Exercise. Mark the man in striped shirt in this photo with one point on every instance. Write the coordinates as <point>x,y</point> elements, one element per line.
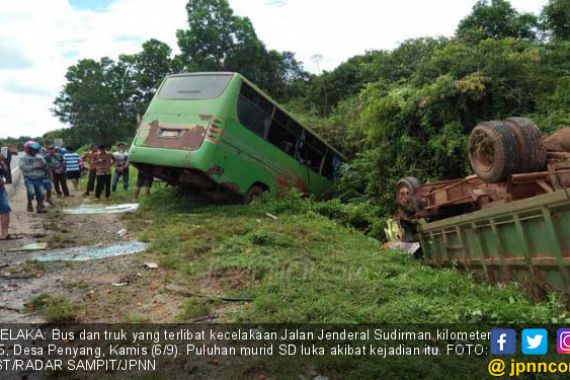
<point>72,168</point>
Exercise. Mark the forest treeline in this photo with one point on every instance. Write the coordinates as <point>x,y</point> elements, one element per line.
<point>395,113</point>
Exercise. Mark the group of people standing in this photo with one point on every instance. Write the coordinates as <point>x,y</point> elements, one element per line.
<point>41,168</point>
<point>46,169</point>
<point>99,163</point>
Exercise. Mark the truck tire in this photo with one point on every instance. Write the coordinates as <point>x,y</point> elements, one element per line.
<point>493,152</point>
<point>405,191</point>
<point>532,154</point>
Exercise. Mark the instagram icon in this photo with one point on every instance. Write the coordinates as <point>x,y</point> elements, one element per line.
<point>563,341</point>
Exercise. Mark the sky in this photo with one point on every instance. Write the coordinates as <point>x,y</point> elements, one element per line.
<point>39,40</point>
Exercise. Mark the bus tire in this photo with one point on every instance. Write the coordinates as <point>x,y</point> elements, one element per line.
<point>253,192</point>
<point>532,154</point>
<point>493,152</point>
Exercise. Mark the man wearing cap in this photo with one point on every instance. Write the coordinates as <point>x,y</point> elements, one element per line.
<point>35,170</point>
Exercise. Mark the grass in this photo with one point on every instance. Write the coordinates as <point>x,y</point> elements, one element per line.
<point>307,267</point>
<point>304,267</point>
<point>54,309</point>
<point>121,195</point>
<point>30,268</point>
<point>135,318</point>
<point>311,265</point>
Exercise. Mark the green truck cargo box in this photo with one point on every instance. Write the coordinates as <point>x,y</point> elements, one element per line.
<point>527,241</point>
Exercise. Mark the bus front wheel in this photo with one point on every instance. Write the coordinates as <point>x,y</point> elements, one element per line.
<point>253,192</point>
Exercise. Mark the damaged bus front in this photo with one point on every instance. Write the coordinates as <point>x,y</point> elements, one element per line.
<point>218,133</point>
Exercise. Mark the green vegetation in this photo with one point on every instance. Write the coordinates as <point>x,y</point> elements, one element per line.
<point>53,308</point>
<point>394,113</point>
<point>135,318</point>
<point>304,267</point>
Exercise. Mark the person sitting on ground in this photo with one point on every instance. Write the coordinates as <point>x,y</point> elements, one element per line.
<point>72,169</point>
<point>121,167</point>
<point>89,158</point>
<point>5,209</point>
<point>143,181</point>
<point>56,167</point>
<point>34,169</point>
<point>103,164</point>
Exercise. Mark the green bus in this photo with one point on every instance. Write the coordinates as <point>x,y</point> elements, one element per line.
<point>218,133</point>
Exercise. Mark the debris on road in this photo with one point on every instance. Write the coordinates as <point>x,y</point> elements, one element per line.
<point>29,247</point>
<point>98,209</point>
<point>188,293</point>
<point>9,276</point>
<point>151,265</point>
<point>91,253</point>
<point>410,248</point>
<point>122,233</point>
<point>205,318</point>
<point>120,284</point>
<point>271,216</point>
<point>10,308</point>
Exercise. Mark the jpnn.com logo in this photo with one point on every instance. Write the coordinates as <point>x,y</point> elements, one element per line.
<point>504,342</point>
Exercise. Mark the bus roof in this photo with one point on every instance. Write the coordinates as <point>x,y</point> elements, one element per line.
<point>268,98</point>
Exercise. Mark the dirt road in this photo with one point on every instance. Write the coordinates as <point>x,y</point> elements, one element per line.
<point>106,290</point>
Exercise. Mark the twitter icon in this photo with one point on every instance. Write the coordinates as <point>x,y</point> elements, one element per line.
<point>534,341</point>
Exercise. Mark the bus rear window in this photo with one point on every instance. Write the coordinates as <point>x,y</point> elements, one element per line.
<point>194,87</point>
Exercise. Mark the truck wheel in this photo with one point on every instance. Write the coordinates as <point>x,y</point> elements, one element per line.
<point>405,192</point>
<point>493,151</point>
<point>253,192</point>
<point>532,154</point>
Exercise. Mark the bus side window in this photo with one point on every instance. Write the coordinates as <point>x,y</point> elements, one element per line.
<point>254,112</point>
<point>312,152</point>
<point>331,166</point>
<point>281,138</point>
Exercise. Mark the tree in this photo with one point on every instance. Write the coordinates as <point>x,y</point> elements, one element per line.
<point>496,19</point>
<point>212,35</point>
<point>96,102</point>
<point>556,16</point>
<point>146,70</point>
<point>218,40</point>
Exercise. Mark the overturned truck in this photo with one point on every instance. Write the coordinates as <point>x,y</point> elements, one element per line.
<point>510,221</point>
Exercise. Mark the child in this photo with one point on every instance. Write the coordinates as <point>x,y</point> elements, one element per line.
<point>72,169</point>
<point>35,171</point>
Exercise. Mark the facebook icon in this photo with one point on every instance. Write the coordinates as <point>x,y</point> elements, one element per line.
<point>503,342</point>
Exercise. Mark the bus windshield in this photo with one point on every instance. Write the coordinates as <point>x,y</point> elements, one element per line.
<point>194,87</point>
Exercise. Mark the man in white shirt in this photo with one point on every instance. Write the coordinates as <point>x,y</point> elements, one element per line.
<point>121,167</point>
